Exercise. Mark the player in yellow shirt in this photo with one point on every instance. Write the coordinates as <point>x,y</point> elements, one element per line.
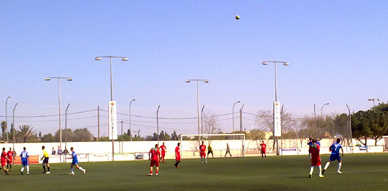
<point>209,150</point>
<point>45,162</point>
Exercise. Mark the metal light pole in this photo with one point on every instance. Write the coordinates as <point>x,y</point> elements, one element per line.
<point>350,126</point>
<point>204,81</point>
<point>130,119</point>
<point>59,103</point>
<point>66,129</point>
<point>276,96</point>
<point>13,131</point>
<point>233,114</point>
<point>322,116</point>
<point>203,107</point>
<point>6,116</point>
<point>374,99</point>
<point>157,122</point>
<point>98,58</point>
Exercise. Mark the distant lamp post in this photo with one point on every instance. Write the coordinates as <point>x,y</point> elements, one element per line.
<point>276,99</point>
<point>59,103</point>
<point>157,122</point>
<point>6,116</point>
<point>130,119</point>
<point>204,81</point>
<point>233,114</point>
<point>374,100</point>
<point>203,107</point>
<point>13,131</point>
<point>98,58</point>
<point>322,117</point>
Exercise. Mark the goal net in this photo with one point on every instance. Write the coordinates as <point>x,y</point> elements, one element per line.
<point>190,144</point>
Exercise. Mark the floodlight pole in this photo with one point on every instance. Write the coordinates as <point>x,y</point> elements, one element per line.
<point>13,130</point>
<point>203,107</point>
<point>233,115</point>
<point>130,120</point>
<point>276,97</point>
<point>66,129</point>
<point>157,122</point>
<point>6,116</point>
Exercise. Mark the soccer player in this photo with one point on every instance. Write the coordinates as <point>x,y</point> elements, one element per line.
<point>202,153</point>
<point>177,155</point>
<point>228,150</point>
<point>45,159</point>
<point>163,152</point>
<point>263,148</point>
<point>153,156</point>
<point>315,158</point>
<point>4,159</point>
<point>24,158</point>
<point>10,158</point>
<point>75,162</point>
<point>209,151</point>
<point>335,155</point>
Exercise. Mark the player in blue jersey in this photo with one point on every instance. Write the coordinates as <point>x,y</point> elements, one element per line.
<point>335,155</point>
<point>75,162</point>
<point>24,158</point>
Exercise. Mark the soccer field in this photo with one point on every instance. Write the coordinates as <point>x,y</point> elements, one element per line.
<point>360,172</point>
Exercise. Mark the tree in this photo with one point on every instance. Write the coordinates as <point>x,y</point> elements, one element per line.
<point>164,136</point>
<point>174,136</point>
<point>48,138</point>
<point>210,125</point>
<point>82,135</point>
<point>360,126</point>
<point>256,134</point>
<point>25,132</point>
<point>3,129</point>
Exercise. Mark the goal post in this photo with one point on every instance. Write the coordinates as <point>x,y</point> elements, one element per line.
<point>190,143</point>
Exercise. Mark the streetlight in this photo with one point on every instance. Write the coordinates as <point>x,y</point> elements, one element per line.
<point>6,116</point>
<point>59,102</point>
<point>13,131</point>
<point>130,120</point>
<point>157,122</point>
<point>374,99</point>
<point>350,126</point>
<point>276,111</point>
<point>233,114</point>
<point>322,116</point>
<point>98,58</point>
<point>66,130</point>
<point>204,81</point>
<point>203,107</point>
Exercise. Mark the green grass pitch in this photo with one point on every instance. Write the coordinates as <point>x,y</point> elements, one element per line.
<point>360,172</point>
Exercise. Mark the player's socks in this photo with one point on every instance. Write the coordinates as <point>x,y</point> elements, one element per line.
<point>81,169</point>
<point>339,168</point>
<point>28,170</point>
<point>21,170</point>
<point>326,166</point>
<point>312,170</point>
<point>44,169</point>
<point>48,169</point>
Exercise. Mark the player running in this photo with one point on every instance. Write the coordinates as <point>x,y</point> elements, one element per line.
<point>153,156</point>
<point>335,155</point>
<point>177,155</point>
<point>263,150</point>
<point>210,151</point>
<point>4,159</point>
<point>315,158</point>
<point>75,162</point>
<point>163,152</point>
<point>10,159</point>
<point>202,153</point>
<point>45,159</point>
<point>24,158</point>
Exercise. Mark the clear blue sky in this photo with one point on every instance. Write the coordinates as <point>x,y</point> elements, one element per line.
<point>336,49</point>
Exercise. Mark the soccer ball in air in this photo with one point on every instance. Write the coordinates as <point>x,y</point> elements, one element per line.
<point>237,17</point>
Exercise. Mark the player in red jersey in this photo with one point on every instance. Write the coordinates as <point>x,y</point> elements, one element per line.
<point>153,156</point>
<point>202,153</point>
<point>263,149</point>
<point>163,152</point>
<point>10,158</point>
<point>315,158</point>
<point>177,155</point>
<point>4,159</point>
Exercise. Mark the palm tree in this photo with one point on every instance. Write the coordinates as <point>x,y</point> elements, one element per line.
<point>3,128</point>
<point>25,132</point>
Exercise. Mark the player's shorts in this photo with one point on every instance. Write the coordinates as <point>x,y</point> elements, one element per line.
<point>163,154</point>
<point>74,162</point>
<point>209,152</point>
<point>46,160</point>
<point>9,161</point>
<point>154,163</point>
<point>335,157</point>
<point>3,163</point>
<point>263,151</point>
<point>202,154</point>
<point>24,163</point>
<point>315,162</point>
<point>178,157</point>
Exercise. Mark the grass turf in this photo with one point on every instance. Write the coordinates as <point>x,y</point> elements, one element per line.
<point>360,172</point>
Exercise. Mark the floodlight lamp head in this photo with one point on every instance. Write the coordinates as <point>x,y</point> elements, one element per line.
<point>206,81</point>
<point>286,64</point>
<point>69,79</point>
<point>187,81</point>
<point>97,58</point>
<point>124,59</point>
<point>264,63</point>
<point>47,79</point>
<point>9,97</point>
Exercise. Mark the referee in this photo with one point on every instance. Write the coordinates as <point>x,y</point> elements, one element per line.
<point>45,162</point>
